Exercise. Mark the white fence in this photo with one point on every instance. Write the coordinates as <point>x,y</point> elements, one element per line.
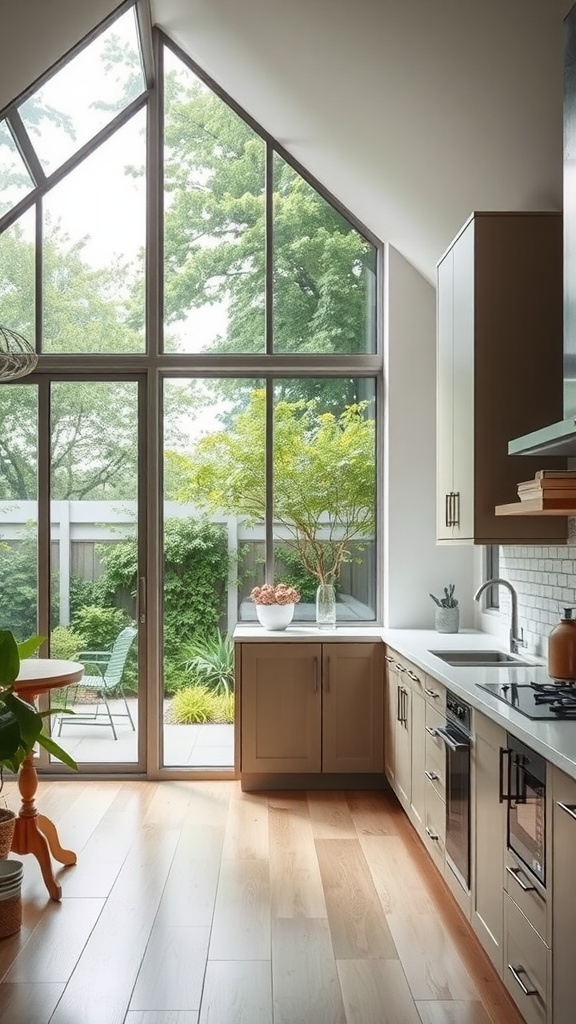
<point>76,527</point>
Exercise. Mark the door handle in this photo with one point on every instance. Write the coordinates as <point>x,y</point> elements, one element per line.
<point>515,872</point>
<point>569,808</point>
<point>502,796</point>
<point>450,743</point>
<point>141,614</point>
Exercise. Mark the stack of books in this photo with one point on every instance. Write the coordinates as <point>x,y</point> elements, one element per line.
<point>550,486</point>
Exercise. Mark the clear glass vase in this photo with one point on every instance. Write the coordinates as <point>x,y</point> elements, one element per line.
<point>326,606</point>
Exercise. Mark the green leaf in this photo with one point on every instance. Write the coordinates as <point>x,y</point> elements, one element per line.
<point>30,646</point>
<point>9,658</point>
<point>56,751</point>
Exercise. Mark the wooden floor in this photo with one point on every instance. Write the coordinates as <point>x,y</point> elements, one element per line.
<point>193,903</point>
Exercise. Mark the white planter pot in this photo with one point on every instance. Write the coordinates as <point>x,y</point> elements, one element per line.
<point>447,620</point>
<point>275,616</point>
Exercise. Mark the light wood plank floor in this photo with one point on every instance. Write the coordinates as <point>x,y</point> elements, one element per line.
<point>195,903</point>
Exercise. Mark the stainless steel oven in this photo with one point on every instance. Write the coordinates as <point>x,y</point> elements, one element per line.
<point>523,788</point>
<point>456,738</point>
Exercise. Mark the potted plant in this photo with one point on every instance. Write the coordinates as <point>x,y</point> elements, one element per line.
<point>274,604</point>
<point>21,724</point>
<point>447,618</point>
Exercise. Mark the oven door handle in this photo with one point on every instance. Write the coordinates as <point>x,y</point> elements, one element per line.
<point>502,796</point>
<point>449,742</point>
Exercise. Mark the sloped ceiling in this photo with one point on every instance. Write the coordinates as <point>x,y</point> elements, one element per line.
<point>412,112</point>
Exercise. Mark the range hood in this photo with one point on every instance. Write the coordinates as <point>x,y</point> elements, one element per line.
<point>560,438</point>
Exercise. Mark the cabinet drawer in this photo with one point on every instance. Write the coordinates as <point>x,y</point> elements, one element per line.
<point>435,694</point>
<point>435,751</point>
<point>435,765</point>
<point>526,959</point>
<point>435,826</point>
<point>523,890</point>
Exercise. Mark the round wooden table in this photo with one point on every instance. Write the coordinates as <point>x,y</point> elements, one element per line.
<point>34,832</point>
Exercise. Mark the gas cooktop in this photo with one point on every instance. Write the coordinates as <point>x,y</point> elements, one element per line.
<point>553,700</point>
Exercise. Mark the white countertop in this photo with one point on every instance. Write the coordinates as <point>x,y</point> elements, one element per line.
<point>556,740</point>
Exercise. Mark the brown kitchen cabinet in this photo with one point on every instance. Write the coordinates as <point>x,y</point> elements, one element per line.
<point>311,707</point>
<point>499,297</point>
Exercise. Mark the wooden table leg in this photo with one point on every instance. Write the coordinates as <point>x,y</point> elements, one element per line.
<point>35,833</point>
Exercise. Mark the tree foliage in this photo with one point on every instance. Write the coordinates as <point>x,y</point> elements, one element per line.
<point>323,476</point>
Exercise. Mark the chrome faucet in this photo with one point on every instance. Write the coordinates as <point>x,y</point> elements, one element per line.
<point>516,638</point>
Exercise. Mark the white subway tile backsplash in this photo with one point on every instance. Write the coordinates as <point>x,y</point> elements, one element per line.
<point>545,580</point>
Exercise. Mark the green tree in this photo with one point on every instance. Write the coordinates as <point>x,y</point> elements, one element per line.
<point>93,433</point>
<point>324,476</point>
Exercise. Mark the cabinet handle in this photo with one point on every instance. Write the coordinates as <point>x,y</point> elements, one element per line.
<point>569,808</point>
<point>447,510</point>
<point>316,673</point>
<point>413,676</point>
<point>456,519</point>
<point>327,679</point>
<point>431,693</point>
<point>516,972</point>
<point>502,796</point>
<point>430,730</point>
<point>389,657</point>
<point>398,704</point>
<point>515,872</point>
<point>400,667</point>
<point>432,776</point>
<point>432,835</point>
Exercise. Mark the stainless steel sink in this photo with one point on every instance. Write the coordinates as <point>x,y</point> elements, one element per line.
<point>479,659</point>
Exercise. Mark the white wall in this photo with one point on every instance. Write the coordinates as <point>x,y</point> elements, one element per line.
<point>415,565</point>
<point>413,113</point>
<point>36,33</point>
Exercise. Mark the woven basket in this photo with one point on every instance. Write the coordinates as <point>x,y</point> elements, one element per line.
<point>10,915</point>
<point>7,826</point>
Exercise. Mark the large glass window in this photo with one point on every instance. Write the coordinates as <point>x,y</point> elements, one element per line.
<point>84,95</point>
<point>214,238</point>
<point>18,509</point>
<point>213,274</point>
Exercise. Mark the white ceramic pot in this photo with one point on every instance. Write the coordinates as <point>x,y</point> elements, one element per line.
<point>447,620</point>
<point>275,616</point>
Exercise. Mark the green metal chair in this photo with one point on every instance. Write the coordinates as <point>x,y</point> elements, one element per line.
<point>103,673</point>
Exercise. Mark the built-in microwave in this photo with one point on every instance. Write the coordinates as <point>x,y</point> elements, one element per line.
<point>523,788</point>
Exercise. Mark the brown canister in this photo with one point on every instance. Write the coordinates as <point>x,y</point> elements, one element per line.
<point>562,647</point>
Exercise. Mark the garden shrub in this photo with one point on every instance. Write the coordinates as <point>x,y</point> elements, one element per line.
<point>210,661</point>
<point>99,626</point>
<point>197,705</point>
<point>65,643</point>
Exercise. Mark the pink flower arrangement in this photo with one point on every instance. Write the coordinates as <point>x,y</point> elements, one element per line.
<point>280,594</point>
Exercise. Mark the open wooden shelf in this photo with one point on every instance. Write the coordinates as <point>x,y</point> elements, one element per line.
<point>541,506</point>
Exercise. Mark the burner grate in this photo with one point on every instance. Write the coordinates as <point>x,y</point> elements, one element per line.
<point>559,696</point>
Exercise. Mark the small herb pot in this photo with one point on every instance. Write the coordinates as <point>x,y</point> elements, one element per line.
<point>447,620</point>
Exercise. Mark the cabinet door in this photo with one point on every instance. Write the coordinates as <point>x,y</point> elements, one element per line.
<point>489,838</point>
<point>444,395</point>
<point>463,385</point>
<point>418,788</point>
<point>404,745</point>
<point>352,708</point>
<point>563,916</point>
<point>281,707</point>
<point>390,716</point>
